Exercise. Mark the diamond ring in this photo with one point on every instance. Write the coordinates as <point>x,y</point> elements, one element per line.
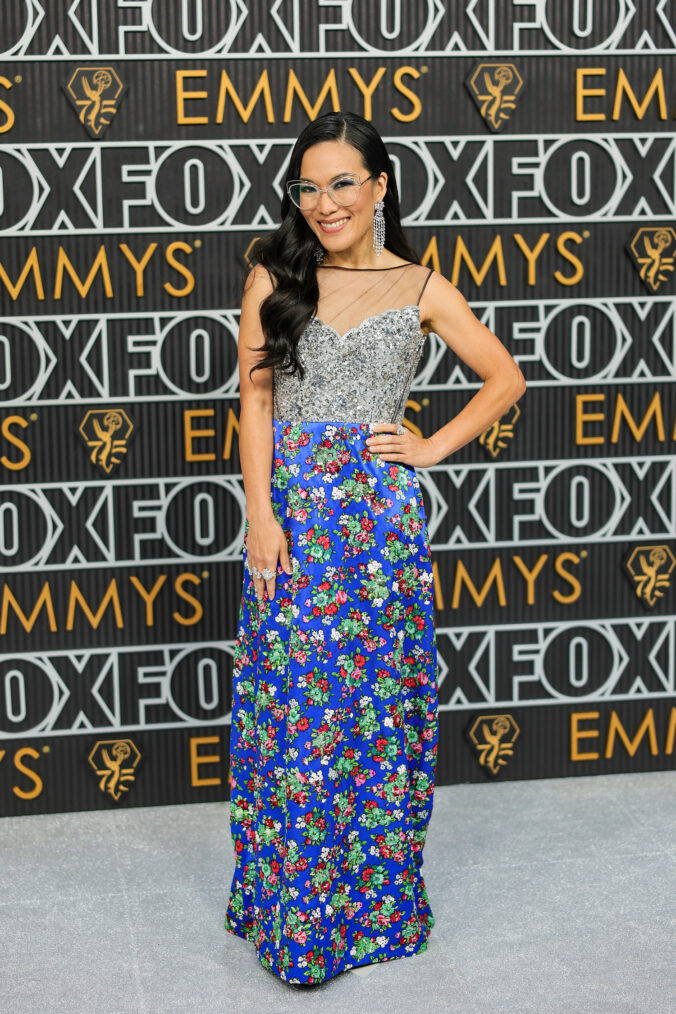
<point>266,573</point>
<point>401,429</point>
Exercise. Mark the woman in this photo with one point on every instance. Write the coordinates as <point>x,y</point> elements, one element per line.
<point>334,723</point>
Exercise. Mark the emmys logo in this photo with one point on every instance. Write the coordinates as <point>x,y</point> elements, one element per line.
<point>497,436</point>
<point>494,88</point>
<point>95,94</point>
<point>114,761</point>
<point>106,432</point>
<point>650,249</point>
<point>492,737</point>
<point>650,568</point>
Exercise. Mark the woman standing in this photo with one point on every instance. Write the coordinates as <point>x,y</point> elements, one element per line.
<point>334,722</point>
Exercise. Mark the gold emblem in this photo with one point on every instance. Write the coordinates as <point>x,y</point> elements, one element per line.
<point>493,737</point>
<point>494,88</point>
<point>115,762</point>
<point>497,436</point>
<point>650,568</point>
<point>95,94</point>
<point>250,251</point>
<point>650,249</point>
<point>106,432</point>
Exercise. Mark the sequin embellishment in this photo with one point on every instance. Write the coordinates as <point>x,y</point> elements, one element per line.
<point>376,362</point>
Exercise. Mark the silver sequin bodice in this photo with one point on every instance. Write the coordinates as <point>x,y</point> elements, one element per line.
<point>362,375</point>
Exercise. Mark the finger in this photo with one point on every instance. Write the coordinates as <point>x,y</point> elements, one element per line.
<point>268,583</point>
<point>384,427</point>
<point>284,559</point>
<point>387,435</point>
<point>386,445</point>
<point>258,582</point>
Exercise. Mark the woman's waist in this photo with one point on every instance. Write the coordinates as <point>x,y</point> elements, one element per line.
<point>332,450</point>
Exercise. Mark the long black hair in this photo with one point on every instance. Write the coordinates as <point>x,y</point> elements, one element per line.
<point>289,252</point>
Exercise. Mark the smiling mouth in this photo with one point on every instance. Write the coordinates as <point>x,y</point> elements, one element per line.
<point>334,225</point>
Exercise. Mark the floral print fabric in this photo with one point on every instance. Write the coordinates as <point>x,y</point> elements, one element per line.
<point>334,721</point>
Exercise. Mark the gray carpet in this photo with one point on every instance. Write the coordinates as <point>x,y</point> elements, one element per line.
<point>555,896</point>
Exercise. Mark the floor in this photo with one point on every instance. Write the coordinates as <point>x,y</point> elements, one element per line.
<point>552,896</point>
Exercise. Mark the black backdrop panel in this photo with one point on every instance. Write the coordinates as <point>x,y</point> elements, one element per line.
<point>142,151</point>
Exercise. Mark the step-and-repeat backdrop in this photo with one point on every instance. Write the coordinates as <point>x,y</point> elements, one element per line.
<point>143,146</point>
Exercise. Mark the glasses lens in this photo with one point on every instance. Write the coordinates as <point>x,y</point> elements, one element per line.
<point>345,190</point>
<point>303,195</point>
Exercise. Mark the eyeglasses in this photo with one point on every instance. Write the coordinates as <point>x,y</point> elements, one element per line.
<point>344,191</point>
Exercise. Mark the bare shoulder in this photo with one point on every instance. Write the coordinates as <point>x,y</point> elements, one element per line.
<point>258,284</point>
<point>257,287</point>
<point>440,301</point>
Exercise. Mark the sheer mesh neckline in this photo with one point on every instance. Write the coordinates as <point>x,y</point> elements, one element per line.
<point>342,267</point>
<point>371,319</point>
<point>345,306</point>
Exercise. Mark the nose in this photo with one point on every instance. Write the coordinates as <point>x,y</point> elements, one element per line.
<point>326,205</point>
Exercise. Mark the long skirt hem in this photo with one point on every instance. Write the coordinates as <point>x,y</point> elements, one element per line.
<point>247,932</point>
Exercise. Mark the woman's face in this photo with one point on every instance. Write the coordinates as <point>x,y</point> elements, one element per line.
<point>322,164</point>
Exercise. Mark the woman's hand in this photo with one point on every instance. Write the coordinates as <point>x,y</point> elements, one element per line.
<point>405,448</point>
<point>265,543</point>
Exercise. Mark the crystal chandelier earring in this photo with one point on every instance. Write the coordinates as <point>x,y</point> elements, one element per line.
<point>379,228</point>
<point>319,253</point>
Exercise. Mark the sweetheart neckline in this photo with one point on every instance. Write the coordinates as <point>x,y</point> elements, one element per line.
<point>375,316</point>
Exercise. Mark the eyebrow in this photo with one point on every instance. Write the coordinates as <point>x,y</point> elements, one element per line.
<point>346,172</point>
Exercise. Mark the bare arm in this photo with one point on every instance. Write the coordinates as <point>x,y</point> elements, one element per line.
<point>444,310</point>
<point>255,396</point>
<point>265,538</point>
<point>449,315</point>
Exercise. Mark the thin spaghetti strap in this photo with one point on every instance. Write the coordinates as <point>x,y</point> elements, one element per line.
<point>424,284</point>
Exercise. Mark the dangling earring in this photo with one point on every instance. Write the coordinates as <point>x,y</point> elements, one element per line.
<point>379,228</point>
<point>319,253</point>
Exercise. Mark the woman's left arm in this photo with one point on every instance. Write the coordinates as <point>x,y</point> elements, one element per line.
<point>449,315</point>
<point>445,311</point>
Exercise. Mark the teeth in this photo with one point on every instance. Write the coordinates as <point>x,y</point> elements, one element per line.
<point>333,225</point>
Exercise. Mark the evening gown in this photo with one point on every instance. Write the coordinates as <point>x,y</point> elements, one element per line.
<point>334,719</point>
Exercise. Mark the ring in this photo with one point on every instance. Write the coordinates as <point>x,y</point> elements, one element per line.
<point>401,429</point>
<point>266,573</point>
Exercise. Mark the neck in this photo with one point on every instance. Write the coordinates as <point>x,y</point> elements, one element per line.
<point>359,255</point>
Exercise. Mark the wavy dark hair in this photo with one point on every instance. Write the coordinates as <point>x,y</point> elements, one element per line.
<point>288,252</point>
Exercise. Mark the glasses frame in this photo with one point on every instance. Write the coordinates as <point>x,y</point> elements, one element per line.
<point>325,190</point>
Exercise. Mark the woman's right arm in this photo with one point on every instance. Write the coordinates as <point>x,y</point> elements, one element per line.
<point>266,541</point>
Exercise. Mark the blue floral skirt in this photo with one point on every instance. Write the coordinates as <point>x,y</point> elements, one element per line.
<point>334,720</point>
